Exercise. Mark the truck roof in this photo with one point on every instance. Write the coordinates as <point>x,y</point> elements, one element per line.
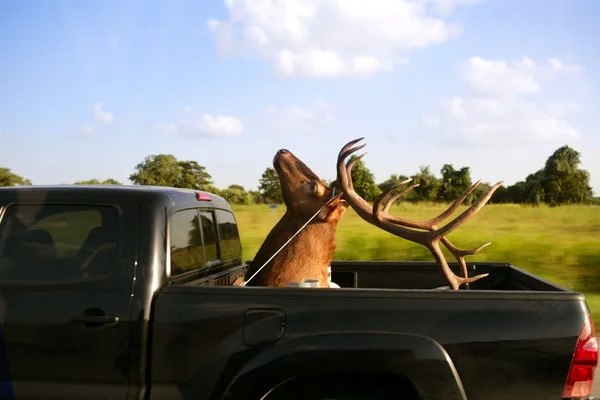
<point>169,195</point>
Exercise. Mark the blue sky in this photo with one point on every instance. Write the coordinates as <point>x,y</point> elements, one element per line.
<point>89,89</point>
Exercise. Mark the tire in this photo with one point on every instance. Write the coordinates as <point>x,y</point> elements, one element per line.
<point>344,387</point>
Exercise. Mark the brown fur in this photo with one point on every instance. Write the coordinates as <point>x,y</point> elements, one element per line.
<point>309,254</point>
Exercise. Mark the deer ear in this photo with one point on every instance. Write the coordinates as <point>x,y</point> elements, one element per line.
<point>334,209</point>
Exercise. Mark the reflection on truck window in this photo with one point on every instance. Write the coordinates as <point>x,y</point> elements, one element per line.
<point>231,247</point>
<point>210,235</point>
<point>57,242</point>
<point>186,242</point>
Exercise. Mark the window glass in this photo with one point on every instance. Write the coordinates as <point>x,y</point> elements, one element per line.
<point>57,242</point>
<point>210,235</point>
<point>186,243</point>
<point>230,238</point>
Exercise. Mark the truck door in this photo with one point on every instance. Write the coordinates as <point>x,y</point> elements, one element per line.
<point>66,278</point>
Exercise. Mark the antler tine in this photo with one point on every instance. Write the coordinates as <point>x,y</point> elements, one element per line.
<point>383,196</point>
<point>429,239</point>
<point>395,197</point>
<point>378,212</point>
<point>460,254</point>
<point>352,163</point>
<point>466,215</point>
<point>431,224</point>
<point>346,183</point>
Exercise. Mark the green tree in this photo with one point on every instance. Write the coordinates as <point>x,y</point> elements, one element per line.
<point>166,170</point>
<point>479,191</point>
<point>395,179</point>
<point>193,176</point>
<point>238,187</point>
<point>515,193</point>
<point>363,181</point>
<point>533,192</point>
<point>236,194</point>
<point>429,185</point>
<point>210,188</point>
<point>454,183</point>
<point>269,186</point>
<point>257,197</point>
<point>7,178</point>
<point>391,181</point>
<point>562,180</point>
<point>499,196</point>
<point>95,181</point>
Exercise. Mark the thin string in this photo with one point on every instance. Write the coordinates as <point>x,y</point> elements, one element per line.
<point>290,239</point>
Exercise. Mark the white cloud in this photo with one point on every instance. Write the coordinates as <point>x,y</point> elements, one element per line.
<point>333,38</point>
<point>431,121</point>
<point>298,118</point>
<point>207,125</point>
<point>216,126</point>
<point>501,108</point>
<point>82,132</point>
<point>494,122</point>
<point>447,6</point>
<point>102,115</point>
<point>503,78</point>
<point>167,128</point>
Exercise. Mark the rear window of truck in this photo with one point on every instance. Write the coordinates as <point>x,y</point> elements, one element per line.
<point>231,247</point>
<point>202,237</point>
<point>55,242</point>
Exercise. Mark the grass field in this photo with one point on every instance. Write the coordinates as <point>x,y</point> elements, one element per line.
<point>561,244</point>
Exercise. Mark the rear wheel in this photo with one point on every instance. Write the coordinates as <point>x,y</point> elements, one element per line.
<point>345,386</point>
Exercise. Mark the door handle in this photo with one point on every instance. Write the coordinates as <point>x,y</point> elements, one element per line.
<point>95,318</point>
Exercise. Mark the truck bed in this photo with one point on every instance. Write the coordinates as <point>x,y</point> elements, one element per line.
<point>511,335</point>
<point>425,275</point>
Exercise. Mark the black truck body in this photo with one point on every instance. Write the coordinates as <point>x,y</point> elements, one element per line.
<point>125,292</point>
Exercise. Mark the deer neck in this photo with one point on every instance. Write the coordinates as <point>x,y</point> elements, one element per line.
<point>307,256</point>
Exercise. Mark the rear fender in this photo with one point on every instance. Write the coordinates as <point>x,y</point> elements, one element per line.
<point>419,358</point>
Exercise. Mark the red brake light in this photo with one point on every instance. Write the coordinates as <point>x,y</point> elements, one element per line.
<point>202,197</point>
<point>585,359</point>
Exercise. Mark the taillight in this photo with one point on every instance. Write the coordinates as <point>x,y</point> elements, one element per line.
<point>581,374</point>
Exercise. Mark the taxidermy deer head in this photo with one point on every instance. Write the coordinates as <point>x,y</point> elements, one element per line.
<point>307,255</point>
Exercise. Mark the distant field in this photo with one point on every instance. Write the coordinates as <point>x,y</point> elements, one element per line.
<point>561,244</point>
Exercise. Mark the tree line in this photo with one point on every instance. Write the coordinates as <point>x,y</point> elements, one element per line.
<point>560,181</point>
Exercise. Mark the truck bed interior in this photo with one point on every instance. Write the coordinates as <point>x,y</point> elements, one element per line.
<point>426,275</point>
<point>423,275</point>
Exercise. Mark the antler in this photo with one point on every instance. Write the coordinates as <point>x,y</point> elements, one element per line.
<point>430,238</point>
<point>430,224</point>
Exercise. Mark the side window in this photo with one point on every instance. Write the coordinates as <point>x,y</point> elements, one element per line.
<point>231,247</point>
<point>57,242</point>
<point>186,242</point>
<point>209,231</point>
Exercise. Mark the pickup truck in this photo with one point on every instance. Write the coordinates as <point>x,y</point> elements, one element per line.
<point>127,292</point>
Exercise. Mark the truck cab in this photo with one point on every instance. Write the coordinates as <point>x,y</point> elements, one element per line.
<point>79,266</point>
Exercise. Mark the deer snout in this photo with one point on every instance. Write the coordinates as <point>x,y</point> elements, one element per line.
<point>279,153</point>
